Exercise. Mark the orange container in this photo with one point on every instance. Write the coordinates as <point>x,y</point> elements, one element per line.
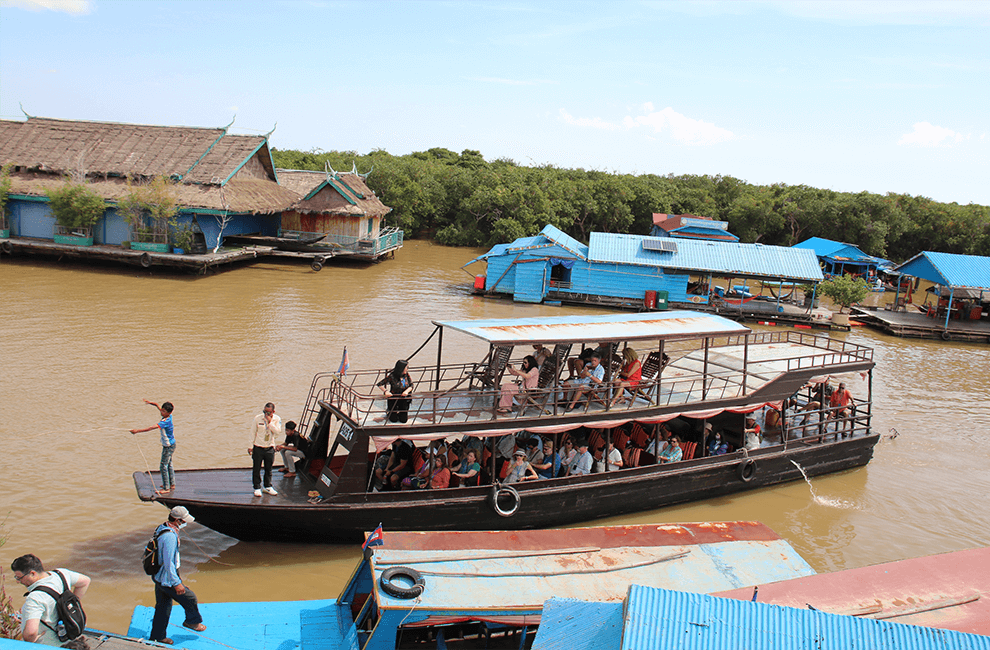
<point>479,282</point>
<point>650,299</point>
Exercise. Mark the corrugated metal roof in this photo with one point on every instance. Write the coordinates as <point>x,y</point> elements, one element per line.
<point>835,250</point>
<point>612,327</point>
<point>566,241</point>
<point>568,624</point>
<point>752,260</point>
<point>949,269</point>
<point>521,580</point>
<point>658,619</point>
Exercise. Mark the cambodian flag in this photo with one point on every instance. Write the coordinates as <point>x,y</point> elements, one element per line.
<point>345,363</point>
<point>376,538</point>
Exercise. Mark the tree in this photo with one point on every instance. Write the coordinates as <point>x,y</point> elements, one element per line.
<point>4,189</point>
<point>75,205</point>
<point>150,209</point>
<point>844,290</point>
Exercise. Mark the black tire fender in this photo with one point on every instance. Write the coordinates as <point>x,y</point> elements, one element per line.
<point>747,470</point>
<point>145,260</point>
<point>945,335</point>
<point>396,589</point>
<point>317,264</point>
<point>6,247</point>
<point>499,491</point>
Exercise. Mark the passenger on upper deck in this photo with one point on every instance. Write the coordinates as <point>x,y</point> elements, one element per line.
<point>629,376</point>
<point>839,401</point>
<point>399,387</point>
<point>576,364</point>
<point>591,376</point>
<point>541,354</point>
<point>529,377</point>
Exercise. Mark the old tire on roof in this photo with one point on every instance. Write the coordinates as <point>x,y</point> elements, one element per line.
<point>507,491</point>
<point>747,470</point>
<point>397,589</point>
<point>145,260</point>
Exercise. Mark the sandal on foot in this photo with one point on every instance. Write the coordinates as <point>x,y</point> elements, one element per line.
<point>198,627</point>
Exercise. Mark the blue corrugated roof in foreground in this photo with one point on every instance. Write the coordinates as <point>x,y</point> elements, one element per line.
<point>949,269</point>
<point>754,260</point>
<point>569,624</point>
<point>660,619</point>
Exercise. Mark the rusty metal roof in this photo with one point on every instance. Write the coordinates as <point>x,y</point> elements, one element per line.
<point>613,327</point>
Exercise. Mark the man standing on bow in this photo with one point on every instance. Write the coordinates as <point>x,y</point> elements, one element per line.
<point>265,432</point>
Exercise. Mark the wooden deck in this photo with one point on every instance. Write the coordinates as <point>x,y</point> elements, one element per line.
<point>918,325</point>
<point>227,486</point>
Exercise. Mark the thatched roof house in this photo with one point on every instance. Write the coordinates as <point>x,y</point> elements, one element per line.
<point>214,170</point>
<point>332,202</point>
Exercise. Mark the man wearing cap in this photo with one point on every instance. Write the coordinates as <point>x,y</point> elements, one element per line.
<point>168,584</point>
<point>582,461</point>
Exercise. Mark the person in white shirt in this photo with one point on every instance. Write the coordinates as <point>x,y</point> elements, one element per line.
<point>39,617</point>
<point>265,433</point>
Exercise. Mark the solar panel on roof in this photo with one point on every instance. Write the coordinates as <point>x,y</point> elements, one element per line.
<point>662,244</point>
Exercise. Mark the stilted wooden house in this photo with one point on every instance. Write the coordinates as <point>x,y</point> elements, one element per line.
<point>342,206</point>
<point>221,179</point>
<point>613,268</point>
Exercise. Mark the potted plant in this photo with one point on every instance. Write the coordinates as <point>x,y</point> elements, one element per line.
<point>76,208</point>
<point>150,211</point>
<point>182,239</point>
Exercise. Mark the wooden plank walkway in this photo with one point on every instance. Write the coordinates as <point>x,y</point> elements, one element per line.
<point>918,325</point>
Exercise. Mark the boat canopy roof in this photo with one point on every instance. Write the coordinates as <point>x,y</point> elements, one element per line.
<point>607,328</point>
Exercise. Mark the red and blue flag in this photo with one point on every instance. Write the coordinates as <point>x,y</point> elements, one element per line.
<point>345,363</point>
<point>376,538</point>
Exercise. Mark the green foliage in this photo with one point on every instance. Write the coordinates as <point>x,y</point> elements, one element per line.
<point>75,205</point>
<point>150,208</point>
<point>4,189</point>
<point>463,200</point>
<point>9,627</point>
<point>182,237</point>
<point>844,291</point>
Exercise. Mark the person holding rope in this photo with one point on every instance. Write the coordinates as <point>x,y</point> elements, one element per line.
<point>168,584</point>
<point>168,445</point>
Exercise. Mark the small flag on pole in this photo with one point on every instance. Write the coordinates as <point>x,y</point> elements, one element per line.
<point>345,363</point>
<point>376,538</point>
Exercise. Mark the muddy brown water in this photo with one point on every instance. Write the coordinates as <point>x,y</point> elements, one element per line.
<point>81,346</point>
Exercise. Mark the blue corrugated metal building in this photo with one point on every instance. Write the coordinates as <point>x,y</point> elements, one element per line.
<point>627,266</point>
<point>838,258</point>
<point>661,619</point>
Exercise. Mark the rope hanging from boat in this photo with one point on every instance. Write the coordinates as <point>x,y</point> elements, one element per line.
<point>409,358</point>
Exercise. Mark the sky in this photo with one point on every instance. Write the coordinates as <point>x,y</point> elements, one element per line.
<point>852,96</point>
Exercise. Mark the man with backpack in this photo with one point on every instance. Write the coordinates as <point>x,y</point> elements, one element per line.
<point>51,609</point>
<point>163,562</point>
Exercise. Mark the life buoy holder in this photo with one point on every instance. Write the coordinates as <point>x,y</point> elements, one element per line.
<point>747,470</point>
<point>505,490</point>
<point>397,589</point>
<point>145,260</point>
<point>6,247</point>
<point>945,335</point>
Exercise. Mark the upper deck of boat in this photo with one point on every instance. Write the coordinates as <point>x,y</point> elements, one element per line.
<point>706,362</point>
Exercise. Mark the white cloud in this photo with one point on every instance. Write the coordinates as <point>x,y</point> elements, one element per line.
<point>682,128</point>
<point>593,122</point>
<point>67,6</point>
<point>929,135</point>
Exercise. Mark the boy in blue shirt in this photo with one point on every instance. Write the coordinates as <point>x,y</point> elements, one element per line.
<point>168,445</point>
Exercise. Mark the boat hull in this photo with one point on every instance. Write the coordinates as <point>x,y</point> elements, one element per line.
<point>543,504</point>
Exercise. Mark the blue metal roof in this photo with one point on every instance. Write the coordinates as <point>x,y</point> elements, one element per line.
<point>549,235</point>
<point>839,251</point>
<point>566,241</point>
<point>659,619</point>
<point>949,269</point>
<point>568,624</point>
<point>753,260</point>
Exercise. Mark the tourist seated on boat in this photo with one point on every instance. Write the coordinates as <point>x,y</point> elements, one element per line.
<point>397,467</point>
<point>397,387</point>
<point>549,465</point>
<point>716,446</point>
<point>752,434</point>
<point>663,434</point>
<point>629,376</point>
<point>614,458</point>
<point>582,461</point>
<point>541,354</point>
<point>771,421</point>
<point>671,452</point>
<point>473,443</point>
<point>529,377</point>
<point>504,446</point>
<point>576,364</point>
<point>839,402</point>
<point>534,454</point>
<point>468,469</point>
<point>520,470</point>
<point>437,478</point>
<point>567,455</point>
<point>591,377</point>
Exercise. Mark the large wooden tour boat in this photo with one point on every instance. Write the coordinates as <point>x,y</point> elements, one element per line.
<point>698,370</point>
